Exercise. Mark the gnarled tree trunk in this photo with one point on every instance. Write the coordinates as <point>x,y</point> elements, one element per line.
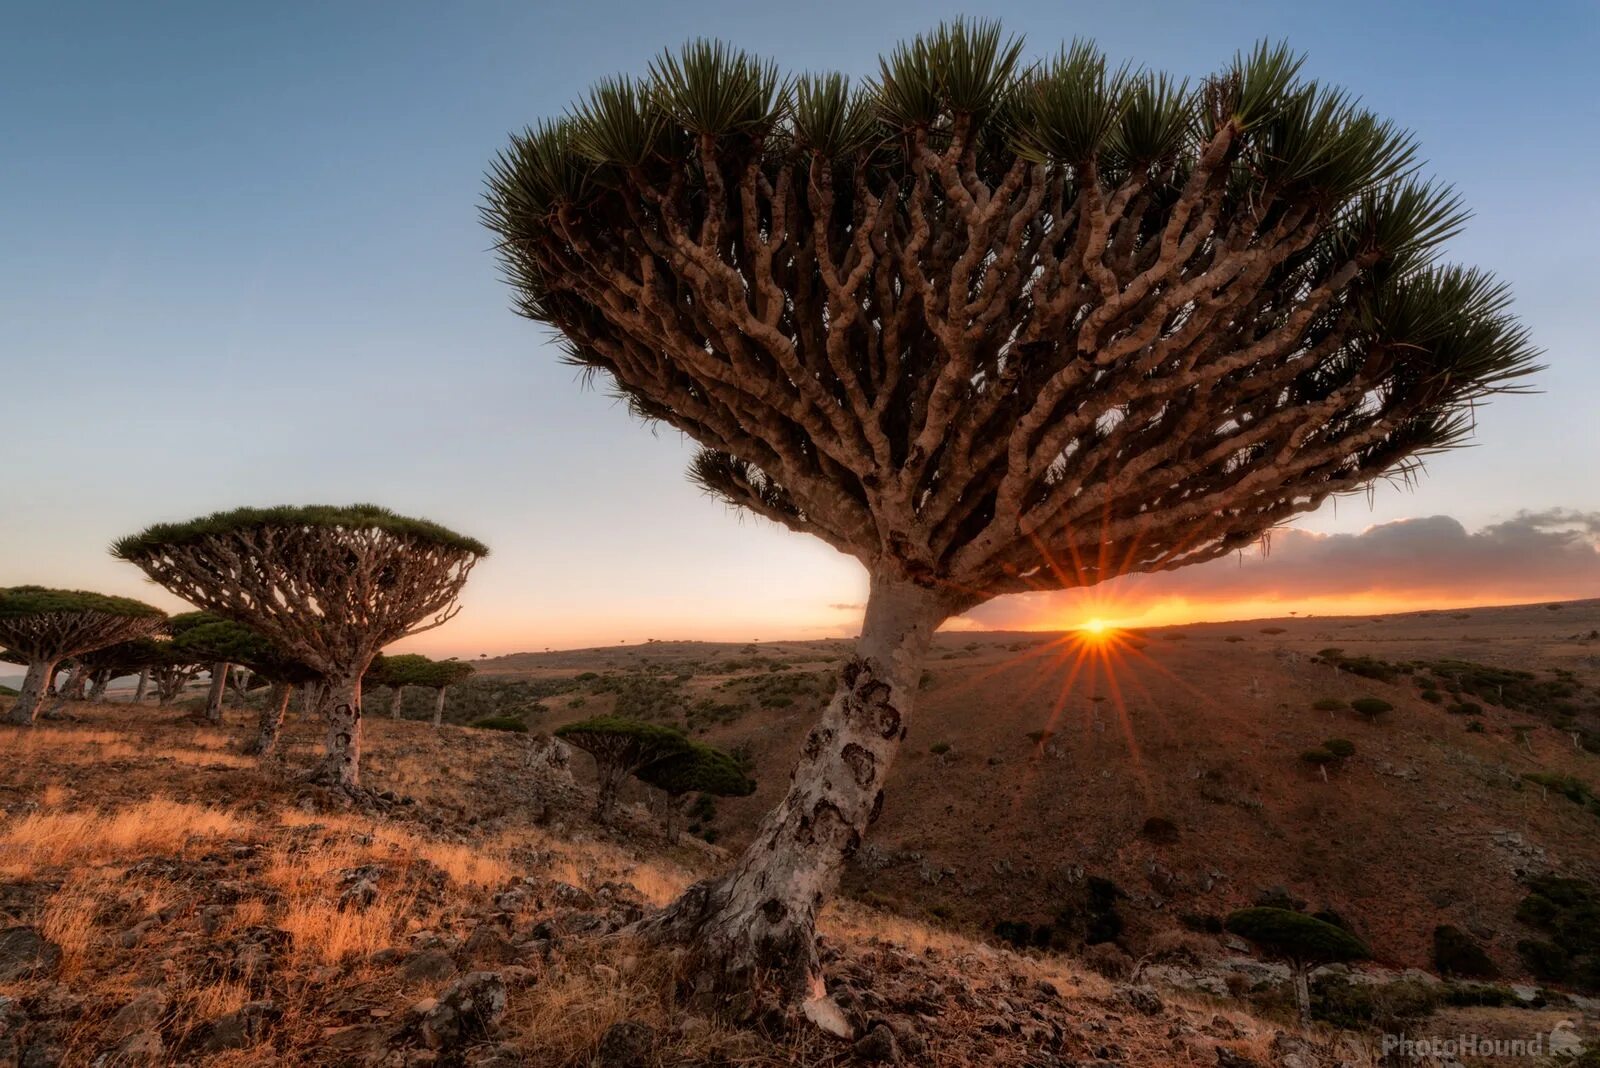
<point>97,685</point>
<point>397,698</point>
<point>438,707</point>
<point>609,777</point>
<point>71,689</point>
<point>271,721</point>
<point>219,686</point>
<point>760,918</point>
<point>1302,991</point>
<point>34,687</point>
<point>341,762</point>
<point>144,684</point>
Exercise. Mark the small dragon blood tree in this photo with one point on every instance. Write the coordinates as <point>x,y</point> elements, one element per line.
<point>439,676</point>
<point>990,327</point>
<point>48,626</point>
<point>622,747</point>
<point>213,638</point>
<point>329,586</point>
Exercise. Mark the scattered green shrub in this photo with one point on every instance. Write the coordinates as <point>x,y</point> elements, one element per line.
<point>516,724</point>
<point>1342,748</point>
<point>1371,707</point>
<point>1566,912</point>
<point>1201,922</point>
<point>939,748</point>
<point>1159,829</point>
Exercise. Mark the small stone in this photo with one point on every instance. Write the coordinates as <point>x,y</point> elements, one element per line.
<point>1143,999</point>
<point>359,896</point>
<point>878,1046</point>
<point>25,953</point>
<point>627,1045</point>
<point>488,945</point>
<point>467,1010</point>
<point>140,1014</point>
<point>429,965</point>
<point>239,1029</point>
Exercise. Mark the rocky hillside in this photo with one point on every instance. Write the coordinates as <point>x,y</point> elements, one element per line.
<point>1173,763</point>
<point>168,902</point>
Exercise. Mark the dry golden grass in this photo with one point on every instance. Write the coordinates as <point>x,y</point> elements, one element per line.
<point>322,933</point>
<point>90,836</point>
<point>69,922</point>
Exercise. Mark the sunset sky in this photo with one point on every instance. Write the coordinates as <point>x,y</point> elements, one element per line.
<point>240,264</point>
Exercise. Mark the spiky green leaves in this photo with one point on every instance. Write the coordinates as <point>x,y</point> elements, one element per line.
<point>963,68</point>
<point>1070,106</point>
<point>541,169</point>
<point>1317,140</point>
<point>40,600</point>
<point>1154,127</point>
<point>1252,89</point>
<point>356,517</point>
<point>831,119</point>
<point>711,89</point>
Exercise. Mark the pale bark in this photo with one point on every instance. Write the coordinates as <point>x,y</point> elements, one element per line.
<point>396,699</point>
<point>341,761</point>
<point>71,689</point>
<point>98,684</point>
<point>144,683</point>
<point>609,777</point>
<point>219,686</point>
<point>438,707</point>
<point>759,919</point>
<point>26,705</point>
<point>1302,991</point>
<point>271,721</point>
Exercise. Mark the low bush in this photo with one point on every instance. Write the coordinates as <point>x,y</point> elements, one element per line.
<point>1566,912</point>
<point>1371,707</point>
<point>1372,1006</point>
<point>1343,748</point>
<point>1457,953</point>
<point>515,724</point>
<point>1159,829</point>
<point>1201,922</point>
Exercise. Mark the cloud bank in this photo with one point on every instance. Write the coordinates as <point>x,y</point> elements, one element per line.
<point>1532,556</point>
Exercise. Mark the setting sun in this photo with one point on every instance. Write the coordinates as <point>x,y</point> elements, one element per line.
<point>1095,626</point>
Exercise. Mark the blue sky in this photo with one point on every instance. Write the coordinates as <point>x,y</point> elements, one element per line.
<point>241,264</point>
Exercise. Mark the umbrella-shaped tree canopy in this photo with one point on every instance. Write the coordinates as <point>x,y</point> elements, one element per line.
<point>46,626</point>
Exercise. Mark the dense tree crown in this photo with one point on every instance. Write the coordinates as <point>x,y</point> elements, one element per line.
<point>17,601</point>
<point>203,637</point>
<point>41,623</point>
<point>1005,325</point>
<point>412,669</point>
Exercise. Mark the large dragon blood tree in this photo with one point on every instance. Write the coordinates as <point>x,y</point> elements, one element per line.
<point>328,586</point>
<point>990,327</point>
<point>47,626</point>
